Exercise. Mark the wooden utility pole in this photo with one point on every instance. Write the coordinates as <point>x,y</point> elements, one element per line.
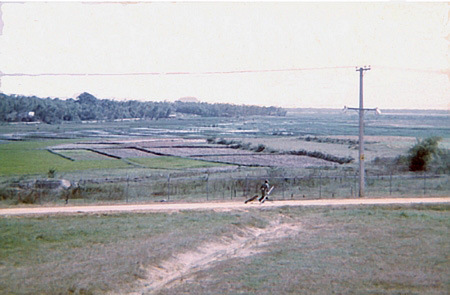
<point>361,111</point>
<point>362,170</point>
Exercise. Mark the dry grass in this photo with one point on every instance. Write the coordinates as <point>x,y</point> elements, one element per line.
<point>97,253</point>
<point>376,146</point>
<point>362,250</point>
<point>390,250</point>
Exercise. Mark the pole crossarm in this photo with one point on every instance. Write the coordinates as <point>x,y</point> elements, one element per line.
<point>376,110</point>
<point>365,68</point>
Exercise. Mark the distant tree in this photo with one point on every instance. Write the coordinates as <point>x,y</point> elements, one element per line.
<point>88,107</point>
<point>87,98</point>
<point>421,154</point>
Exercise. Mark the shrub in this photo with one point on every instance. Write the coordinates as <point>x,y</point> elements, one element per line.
<point>51,173</point>
<point>442,161</point>
<point>222,141</point>
<point>30,197</point>
<point>320,155</point>
<point>7,193</point>
<point>422,153</point>
<point>260,148</point>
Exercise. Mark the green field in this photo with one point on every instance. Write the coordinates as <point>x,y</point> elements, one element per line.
<point>32,157</point>
<point>354,250</point>
<point>173,163</point>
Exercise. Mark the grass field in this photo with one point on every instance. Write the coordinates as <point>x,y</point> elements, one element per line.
<point>32,157</point>
<point>174,163</point>
<point>357,250</point>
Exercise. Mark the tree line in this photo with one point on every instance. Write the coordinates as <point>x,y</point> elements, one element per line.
<point>15,108</point>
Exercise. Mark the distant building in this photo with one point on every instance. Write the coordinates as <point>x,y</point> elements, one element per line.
<point>188,99</point>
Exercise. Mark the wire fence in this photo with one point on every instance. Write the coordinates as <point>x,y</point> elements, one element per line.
<point>216,187</point>
<point>201,188</point>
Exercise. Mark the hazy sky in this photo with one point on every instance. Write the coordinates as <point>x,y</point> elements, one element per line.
<point>291,54</point>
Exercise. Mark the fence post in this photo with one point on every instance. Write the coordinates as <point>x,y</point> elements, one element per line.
<point>320,184</point>
<point>81,191</point>
<point>245,190</point>
<point>231,190</point>
<point>424,184</point>
<point>390,183</point>
<point>168,187</point>
<point>207,186</point>
<point>128,183</point>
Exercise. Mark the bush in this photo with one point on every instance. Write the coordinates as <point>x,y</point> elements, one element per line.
<point>440,162</point>
<point>7,193</point>
<point>51,173</point>
<point>211,140</point>
<point>320,155</point>
<point>421,154</point>
<point>222,141</point>
<point>260,148</point>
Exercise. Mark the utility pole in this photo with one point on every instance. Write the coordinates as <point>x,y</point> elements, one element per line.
<point>362,170</point>
<point>361,111</point>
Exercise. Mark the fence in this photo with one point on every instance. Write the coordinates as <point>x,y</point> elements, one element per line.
<point>205,187</point>
<point>211,187</point>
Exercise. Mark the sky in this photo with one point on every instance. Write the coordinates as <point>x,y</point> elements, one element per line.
<point>286,54</point>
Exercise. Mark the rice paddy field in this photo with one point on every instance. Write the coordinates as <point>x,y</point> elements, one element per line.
<point>185,158</point>
<point>388,135</point>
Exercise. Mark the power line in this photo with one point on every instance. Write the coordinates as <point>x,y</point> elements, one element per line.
<point>428,71</point>
<point>431,71</point>
<point>172,73</point>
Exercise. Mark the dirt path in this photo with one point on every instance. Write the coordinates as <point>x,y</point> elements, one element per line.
<point>183,267</point>
<point>218,206</point>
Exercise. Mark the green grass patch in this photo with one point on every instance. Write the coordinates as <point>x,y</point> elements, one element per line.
<point>41,161</point>
<point>174,163</point>
<point>94,254</point>
<point>33,144</point>
<point>354,250</point>
<point>374,250</point>
<point>31,157</point>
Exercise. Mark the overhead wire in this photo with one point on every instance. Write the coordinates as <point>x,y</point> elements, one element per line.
<point>173,73</point>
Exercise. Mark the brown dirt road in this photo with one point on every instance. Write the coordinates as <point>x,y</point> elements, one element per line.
<point>217,206</point>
